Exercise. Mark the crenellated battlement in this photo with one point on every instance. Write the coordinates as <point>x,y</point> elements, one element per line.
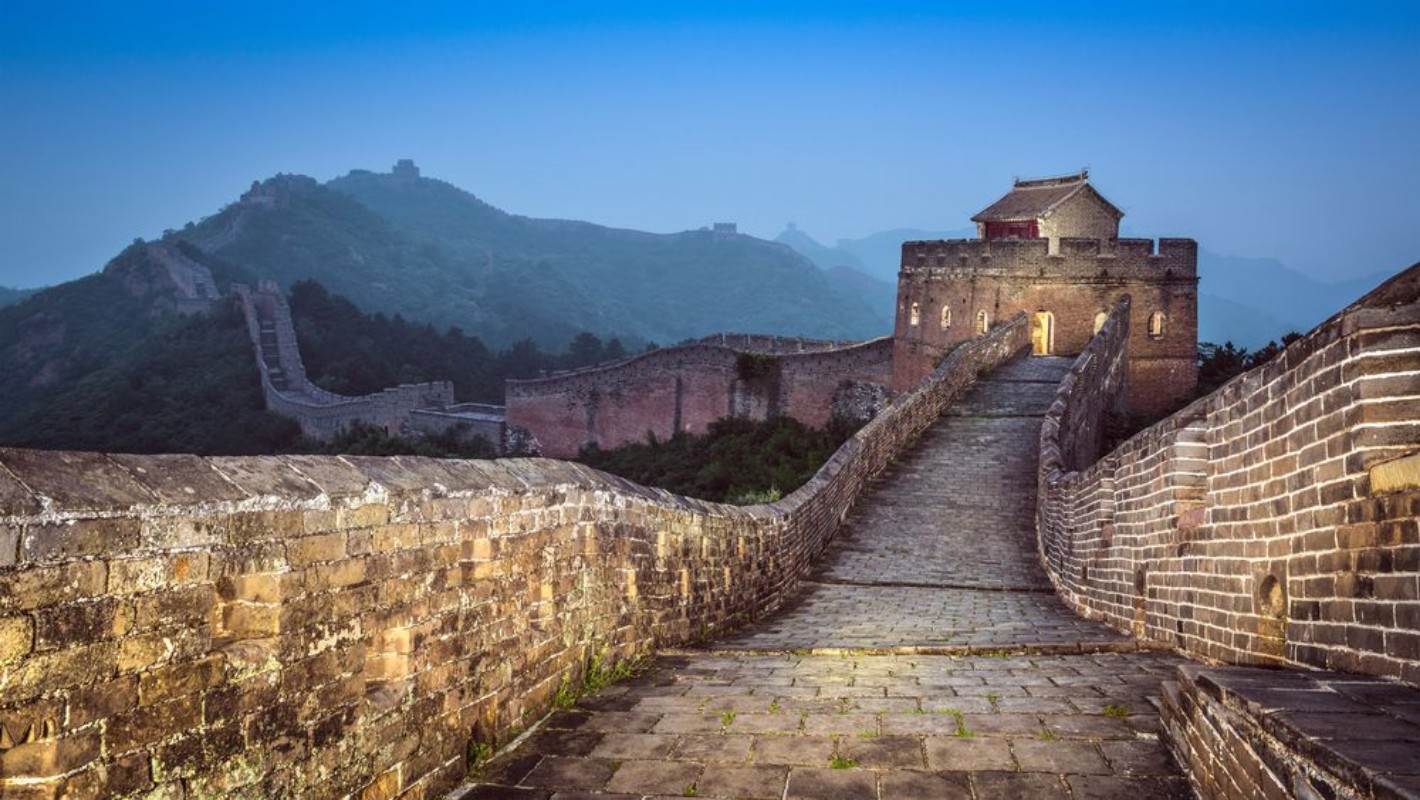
<point>1142,258</point>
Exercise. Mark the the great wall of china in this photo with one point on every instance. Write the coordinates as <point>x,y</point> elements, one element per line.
<point>328,626</point>
<point>1273,522</point>
<point>687,387</point>
<point>320,626</point>
<point>408,408</point>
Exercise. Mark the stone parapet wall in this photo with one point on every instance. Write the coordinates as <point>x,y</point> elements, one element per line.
<point>1272,522</point>
<point>684,389</point>
<point>317,627</point>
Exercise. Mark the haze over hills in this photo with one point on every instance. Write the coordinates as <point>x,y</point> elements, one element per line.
<point>435,253</point>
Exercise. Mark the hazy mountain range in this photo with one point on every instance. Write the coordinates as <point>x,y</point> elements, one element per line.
<point>435,253</point>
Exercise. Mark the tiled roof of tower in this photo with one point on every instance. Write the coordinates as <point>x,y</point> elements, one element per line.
<point>1033,199</point>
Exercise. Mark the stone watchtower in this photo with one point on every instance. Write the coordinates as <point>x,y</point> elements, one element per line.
<point>1051,248</point>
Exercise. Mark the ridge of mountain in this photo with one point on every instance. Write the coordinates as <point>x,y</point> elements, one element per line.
<point>432,252</point>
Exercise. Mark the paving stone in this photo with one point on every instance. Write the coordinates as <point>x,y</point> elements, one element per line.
<point>557,772</point>
<point>805,750</point>
<point>1059,756</point>
<point>634,745</point>
<point>491,792</point>
<point>911,785</point>
<point>563,743</point>
<point>1018,784</point>
<point>1138,757</point>
<point>654,777</point>
<point>1104,787</point>
<point>1002,724</point>
<point>968,754</point>
<point>714,749</point>
<point>884,752</point>
<point>753,782</point>
<point>831,784</point>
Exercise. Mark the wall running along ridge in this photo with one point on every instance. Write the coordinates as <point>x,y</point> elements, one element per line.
<point>311,626</point>
<point>685,388</point>
<point>419,408</point>
<point>1272,522</point>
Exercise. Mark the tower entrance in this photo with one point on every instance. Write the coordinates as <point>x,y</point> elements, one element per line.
<point>1042,333</point>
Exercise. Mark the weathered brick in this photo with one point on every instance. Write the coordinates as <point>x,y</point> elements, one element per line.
<point>178,680</point>
<point>50,758</point>
<point>148,725</point>
<point>311,549</point>
<point>251,620</point>
<point>28,589</point>
<point>133,575</point>
<point>58,626</point>
<point>17,636</point>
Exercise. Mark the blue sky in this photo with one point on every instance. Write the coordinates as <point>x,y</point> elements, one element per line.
<point>1286,130</point>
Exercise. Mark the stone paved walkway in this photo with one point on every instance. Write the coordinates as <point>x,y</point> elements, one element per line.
<point>926,658</point>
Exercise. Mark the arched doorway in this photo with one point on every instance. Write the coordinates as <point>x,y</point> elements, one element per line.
<point>1042,333</point>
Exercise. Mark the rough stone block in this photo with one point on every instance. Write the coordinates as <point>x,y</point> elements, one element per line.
<point>43,673</point>
<point>9,545</point>
<point>251,620</point>
<point>61,626</point>
<point>265,476</point>
<point>179,680</point>
<point>27,589</point>
<point>103,700</point>
<point>75,481</point>
<point>148,725</point>
<point>16,638</point>
<point>312,549</point>
<point>334,476</point>
<point>179,479</point>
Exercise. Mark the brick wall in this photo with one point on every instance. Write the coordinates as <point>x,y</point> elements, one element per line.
<point>1274,521</point>
<point>316,627</point>
<point>685,388</point>
<point>1084,215</point>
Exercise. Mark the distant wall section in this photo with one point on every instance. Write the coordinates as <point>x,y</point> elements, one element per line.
<point>410,408</point>
<point>685,388</point>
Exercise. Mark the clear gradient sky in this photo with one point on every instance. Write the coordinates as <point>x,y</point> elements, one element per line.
<point>1282,129</point>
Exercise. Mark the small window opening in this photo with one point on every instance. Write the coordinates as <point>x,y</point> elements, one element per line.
<point>983,321</point>
<point>946,317</point>
<point>1156,325</point>
<point>915,316</point>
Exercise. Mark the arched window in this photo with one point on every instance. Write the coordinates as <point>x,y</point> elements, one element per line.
<point>1100,319</point>
<point>983,321</point>
<point>915,316</point>
<point>1156,325</point>
<point>946,316</point>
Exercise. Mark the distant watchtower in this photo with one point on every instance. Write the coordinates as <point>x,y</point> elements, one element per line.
<point>405,170</point>
<point>1051,248</point>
